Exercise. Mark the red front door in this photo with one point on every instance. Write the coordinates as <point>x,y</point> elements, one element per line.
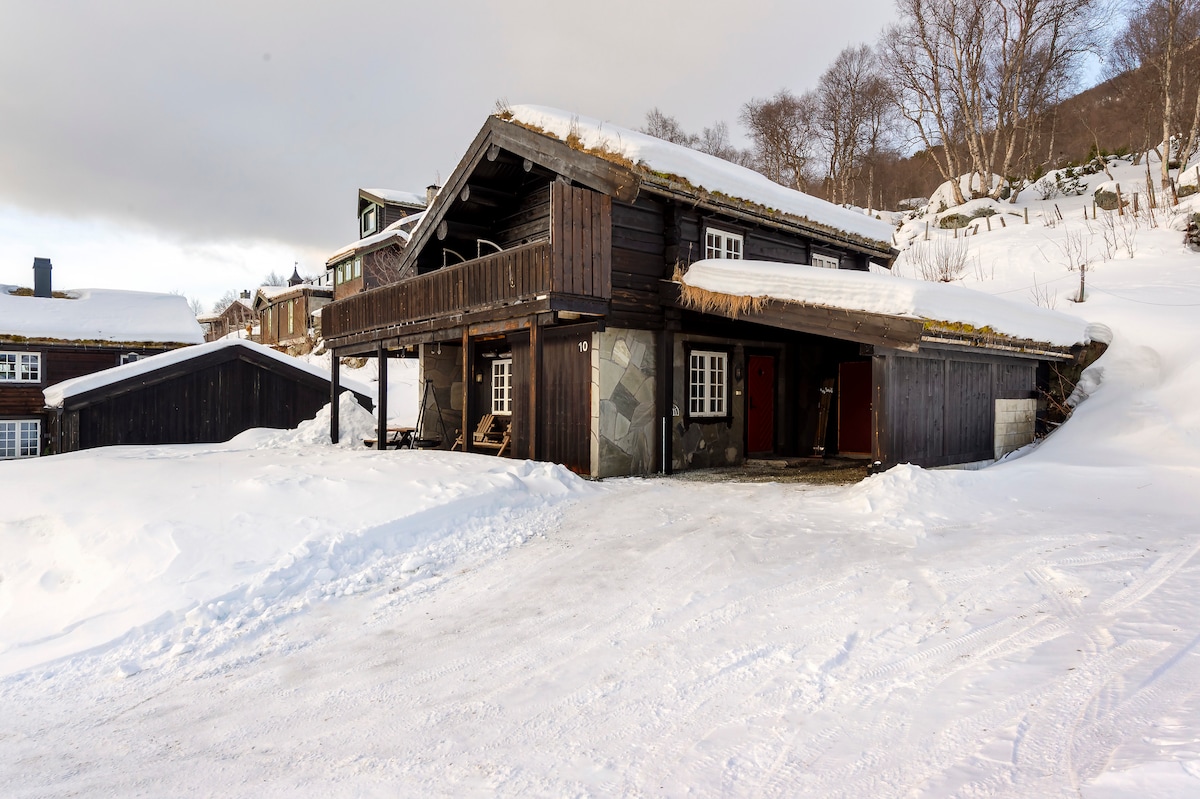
<point>760,401</point>
<point>854,408</point>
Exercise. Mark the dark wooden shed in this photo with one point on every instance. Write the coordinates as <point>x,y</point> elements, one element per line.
<point>202,394</point>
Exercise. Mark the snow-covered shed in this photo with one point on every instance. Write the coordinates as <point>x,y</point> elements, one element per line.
<point>202,394</point>
<point>48,336</point>
<point>286,314</point>
<point>542,294</point>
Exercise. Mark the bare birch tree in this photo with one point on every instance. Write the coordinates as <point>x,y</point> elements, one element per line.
<point>974,77</point>
<point>851,107</point>
<point>782,131</point>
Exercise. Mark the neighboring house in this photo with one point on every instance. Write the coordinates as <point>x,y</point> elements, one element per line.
<point>49,336</point>
<point>569,328</point>
<point>237,316</point>
<point>286,314</point>
<point>202,394</point>
<point>370,262</point>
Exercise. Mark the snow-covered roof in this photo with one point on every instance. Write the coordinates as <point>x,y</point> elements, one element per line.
<point>709,173</point>
<point>401,229</point>
<point>895,296</point>
<point>397,197</point>
<point>270,293</point>
<point>99,315</point>
<point>56,394</point>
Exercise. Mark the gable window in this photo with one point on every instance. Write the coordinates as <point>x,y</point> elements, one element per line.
<point>722,244</point>
<point>825,261</point>
<point>707,383</point>
<point>369,219</point>
<point>130,357</point>
<point>20,367</point>
<point>502,387</point>
<point>20,438</point>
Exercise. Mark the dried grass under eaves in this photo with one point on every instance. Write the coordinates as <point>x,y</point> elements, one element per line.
<point>729,305</point>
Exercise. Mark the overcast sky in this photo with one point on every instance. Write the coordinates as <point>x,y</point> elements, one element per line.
<point>157,146</point>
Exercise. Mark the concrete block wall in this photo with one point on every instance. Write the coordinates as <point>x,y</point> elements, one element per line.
<point>1015,423</point>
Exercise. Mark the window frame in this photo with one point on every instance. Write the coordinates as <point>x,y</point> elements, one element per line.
<point>20,439</point>
<point>724,238</point>
<point>21,359</point>
<point>831,261</point>
<point>711,355</point>
<point>365,227</point>
<point>501,393</point>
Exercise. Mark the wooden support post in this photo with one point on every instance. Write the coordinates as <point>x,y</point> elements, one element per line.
<point>1120,205</point>
<point>468,379</point>
<point>926,230</point>
<point>1135,203</point>
<point>1003,224</point>
<point>535,369</point>
<point>1027,214</point>
<point>381,404</point>
<point>335,367</point>
<point>988,219</point>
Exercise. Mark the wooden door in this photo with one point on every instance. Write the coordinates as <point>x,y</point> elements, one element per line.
<point>854,408</point>
<point>760,404</point>
<point>565,398</point>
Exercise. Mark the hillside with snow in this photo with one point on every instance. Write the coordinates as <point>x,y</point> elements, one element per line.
<point>275,616</point>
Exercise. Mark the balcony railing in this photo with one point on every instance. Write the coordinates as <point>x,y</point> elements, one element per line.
<point>502,278</point>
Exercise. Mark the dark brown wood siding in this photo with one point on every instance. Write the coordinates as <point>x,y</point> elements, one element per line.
<point>526,221</point>
<point>208,403</point>
<point>937,407</point>
<point>565,397</point>
<point>639,262</point>
<point>580,240</point>
<point>520,427</point>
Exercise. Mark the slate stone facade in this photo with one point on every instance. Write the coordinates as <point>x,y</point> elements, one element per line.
<point>623,391</point>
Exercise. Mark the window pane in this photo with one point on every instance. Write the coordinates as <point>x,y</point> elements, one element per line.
<point>8,439</point>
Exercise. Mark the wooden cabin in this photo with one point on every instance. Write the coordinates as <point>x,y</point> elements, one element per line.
<point>202,394</point>
<point>237,316</point>
<point>286,314</point>
<point>50,336</point>
<point>541,294</point>
<point>386,221</point>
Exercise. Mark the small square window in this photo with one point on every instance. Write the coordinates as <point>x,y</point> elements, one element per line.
<point>825,261</point>
<point>722,244</point>
<point>707,383</point>
<point>502,387</point>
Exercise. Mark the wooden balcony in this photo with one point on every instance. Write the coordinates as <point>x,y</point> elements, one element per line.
<point>440,299</point>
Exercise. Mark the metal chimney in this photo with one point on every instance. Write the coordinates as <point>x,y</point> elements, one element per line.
<point>41,278</point>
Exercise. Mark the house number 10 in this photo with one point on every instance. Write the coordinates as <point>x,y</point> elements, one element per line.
<point>583,346</point>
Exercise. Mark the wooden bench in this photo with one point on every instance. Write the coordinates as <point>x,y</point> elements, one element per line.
<point>397,438</point>
<point>490,433</point>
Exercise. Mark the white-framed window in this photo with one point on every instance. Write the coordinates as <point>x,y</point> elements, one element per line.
<point>502,387</point>
<point>357,267</point>
<point>722,244</point>
<point>291,316</point>
<point>369,219</point>
<point>20,367</point>
<point>20,438</point>
<point>825,261</point>
<point>707,383</point>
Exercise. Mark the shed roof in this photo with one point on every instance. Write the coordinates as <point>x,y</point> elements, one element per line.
<point>941,308</point>
<point>163,366</point>
<point>407,199</point>
<point>98,315</point>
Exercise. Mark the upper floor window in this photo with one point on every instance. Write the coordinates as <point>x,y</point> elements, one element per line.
<point>20,438</point>
<point>722,244</point>
<point>369,219</point>
<point>357,267</point>
<point>502,386</point>
<point>20,367</point>
<point>826,261</point>
<point>707,383</point>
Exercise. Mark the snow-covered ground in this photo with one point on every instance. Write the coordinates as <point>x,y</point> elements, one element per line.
<point>272,617</point>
